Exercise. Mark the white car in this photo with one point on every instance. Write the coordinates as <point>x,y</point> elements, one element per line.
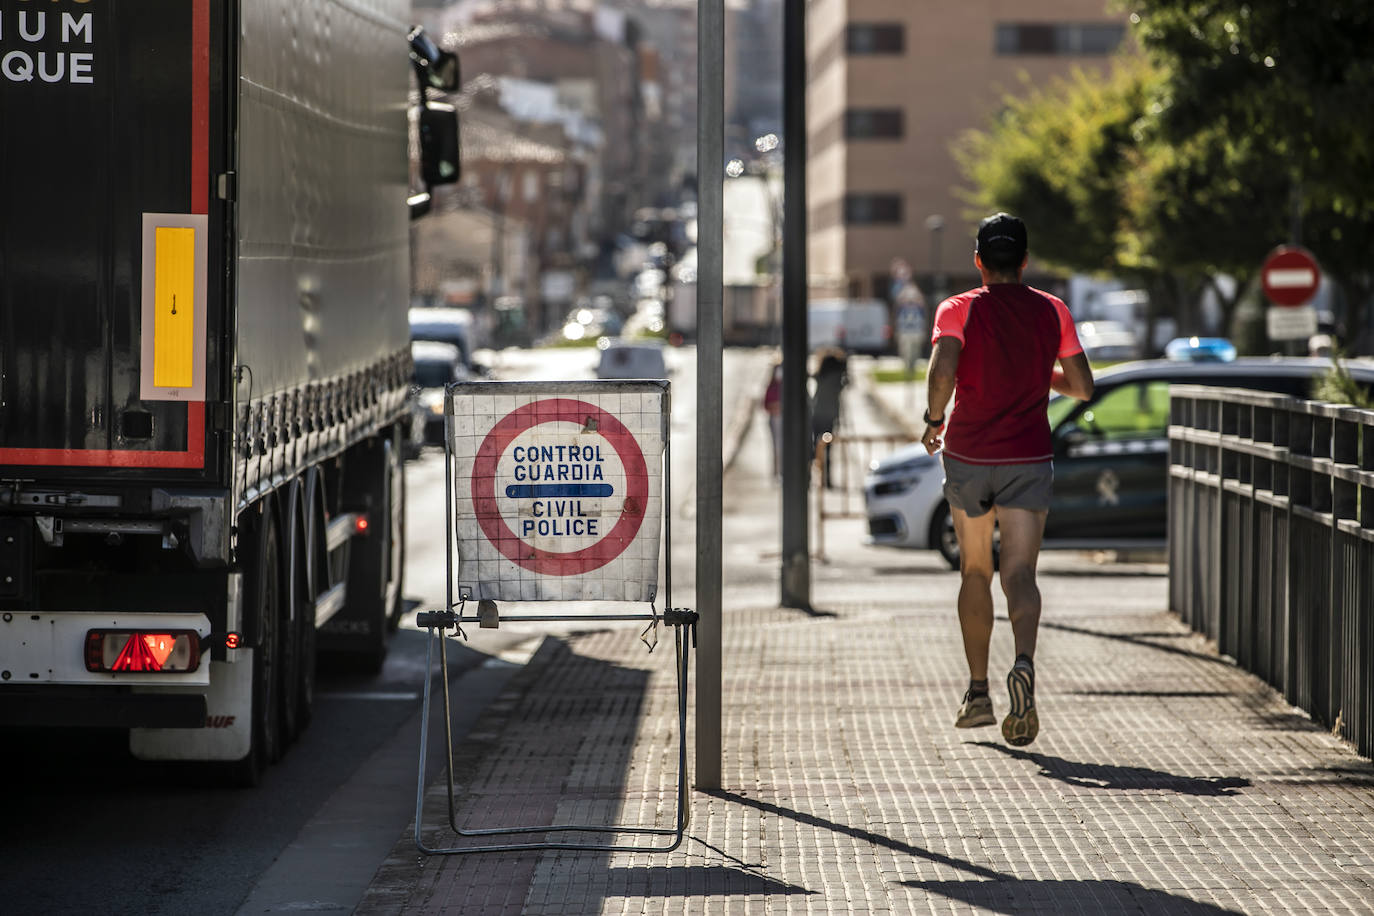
<point>436,364</point>
<point>624,359</point>
<point>1107,341</point>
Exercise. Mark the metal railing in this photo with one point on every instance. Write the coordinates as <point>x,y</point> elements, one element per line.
<point>1271,544</point>
<point>846,459</point>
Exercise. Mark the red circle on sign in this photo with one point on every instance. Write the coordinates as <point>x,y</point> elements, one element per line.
<point>548,562</point>
<point>1290,276</point>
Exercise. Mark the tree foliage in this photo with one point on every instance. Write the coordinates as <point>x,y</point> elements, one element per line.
<point>1288,86</point>
<point>1057,157</point>
<point>1238,123</point>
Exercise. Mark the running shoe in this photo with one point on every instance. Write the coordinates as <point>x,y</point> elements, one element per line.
<point>976,711</point>
<point>1021,724</point>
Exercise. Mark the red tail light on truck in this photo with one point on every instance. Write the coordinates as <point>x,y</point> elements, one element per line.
<point>143,651</point>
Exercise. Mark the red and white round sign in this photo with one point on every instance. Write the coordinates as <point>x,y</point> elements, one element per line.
<point>560,486</point>
<point>1290,276</point>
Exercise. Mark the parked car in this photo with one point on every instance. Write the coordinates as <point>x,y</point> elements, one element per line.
<point>622,359</point>
<point>1110,458</point>
<point>436,364</point>
<point>444,325</point>
<point>1107,341</point>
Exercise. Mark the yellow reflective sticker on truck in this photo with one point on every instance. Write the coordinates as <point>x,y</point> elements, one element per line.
<point>174,303</point>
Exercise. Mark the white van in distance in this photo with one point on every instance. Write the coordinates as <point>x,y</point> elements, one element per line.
<point>855,325</point>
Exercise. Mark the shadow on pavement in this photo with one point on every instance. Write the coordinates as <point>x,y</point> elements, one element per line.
<point>1112,777</point>
<point>859,833</point>
<point>1133,571</point>
<point>998,891</point>
<point>1016,896</point>
<point>1136,640</point>
<point>1155,694</point>
<point>701,879</point>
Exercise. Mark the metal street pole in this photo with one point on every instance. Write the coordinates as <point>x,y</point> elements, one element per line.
<point>710,382</point>
<point>796,431</point>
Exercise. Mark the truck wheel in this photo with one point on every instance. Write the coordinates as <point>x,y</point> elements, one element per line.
<point>397,568</point>
<point>371,560</point>
<point>314,579</point>
<point>260,543</point>
<point>289,623</point>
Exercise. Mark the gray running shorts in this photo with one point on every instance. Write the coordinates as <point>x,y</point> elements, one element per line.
<point>976,488</point>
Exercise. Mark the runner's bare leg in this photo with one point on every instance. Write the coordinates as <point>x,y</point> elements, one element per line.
<point>1022,530</point>
<point>975,587</point>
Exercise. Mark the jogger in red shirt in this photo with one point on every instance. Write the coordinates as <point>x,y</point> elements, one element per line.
<point>995,350</point>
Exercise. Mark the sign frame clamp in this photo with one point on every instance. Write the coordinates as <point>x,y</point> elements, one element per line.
<point>529,405</point>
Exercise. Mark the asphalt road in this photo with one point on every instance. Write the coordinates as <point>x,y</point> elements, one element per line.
<point>86,828</point>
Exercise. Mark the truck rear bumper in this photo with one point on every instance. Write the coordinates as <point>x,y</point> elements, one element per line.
<point>93,707</point>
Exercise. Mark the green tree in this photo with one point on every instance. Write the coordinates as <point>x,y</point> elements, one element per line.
<point>1057,158</point>
<point>1067,158</point>
<point>1283,93</point>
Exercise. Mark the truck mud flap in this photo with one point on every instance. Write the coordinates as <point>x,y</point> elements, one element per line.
<point>226,723</point>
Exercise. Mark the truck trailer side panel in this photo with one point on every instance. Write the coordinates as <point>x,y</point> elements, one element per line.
<point>322,241</point>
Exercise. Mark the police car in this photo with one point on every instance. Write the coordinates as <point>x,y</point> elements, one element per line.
<point>1110,458</point>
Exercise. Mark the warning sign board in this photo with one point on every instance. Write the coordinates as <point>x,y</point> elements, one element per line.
<point>558,488</point>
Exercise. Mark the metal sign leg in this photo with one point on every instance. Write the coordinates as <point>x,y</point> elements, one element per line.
<point>436,622</point>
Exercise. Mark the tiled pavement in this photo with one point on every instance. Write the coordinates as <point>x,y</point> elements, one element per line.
<point>1164,779</point>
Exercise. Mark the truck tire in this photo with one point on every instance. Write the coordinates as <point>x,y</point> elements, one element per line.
<point>395,598</point>
<point>260,545</point>
<point>314,580</point>
<point>293,610</point>
<point>373,572</point>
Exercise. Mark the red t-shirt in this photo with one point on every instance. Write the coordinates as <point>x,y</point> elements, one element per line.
<point>1012,335</point>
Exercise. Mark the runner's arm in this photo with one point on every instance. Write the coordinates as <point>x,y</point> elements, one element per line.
<point>944,364</point>
<point>1074,379</point>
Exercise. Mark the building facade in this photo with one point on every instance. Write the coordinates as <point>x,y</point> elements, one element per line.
<point>891,85</point>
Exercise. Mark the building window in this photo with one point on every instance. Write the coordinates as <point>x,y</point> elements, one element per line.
<point>872,123</point>
<point>874,39</point>
<point>1058,38</point>
<point>866,209</point>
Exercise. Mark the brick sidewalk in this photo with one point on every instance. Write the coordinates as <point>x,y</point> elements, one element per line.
<point>1164,779</point>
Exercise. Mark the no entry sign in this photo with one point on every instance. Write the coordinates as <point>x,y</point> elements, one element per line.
<point>558,489</point>
<point>1290,276</point>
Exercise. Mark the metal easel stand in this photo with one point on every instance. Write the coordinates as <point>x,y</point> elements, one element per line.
<point>436,622</point>
<point>453,617</point>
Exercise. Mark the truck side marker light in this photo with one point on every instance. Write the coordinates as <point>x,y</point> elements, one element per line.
<point>174,328</point>
<point>142,651</point>
<point>360,525</point>
<point>232,640</point>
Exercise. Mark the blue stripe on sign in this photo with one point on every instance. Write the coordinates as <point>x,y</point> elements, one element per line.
<point>556,490</point>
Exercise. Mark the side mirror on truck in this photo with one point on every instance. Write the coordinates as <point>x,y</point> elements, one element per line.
<point>436,69</point>
<point>439,155</point>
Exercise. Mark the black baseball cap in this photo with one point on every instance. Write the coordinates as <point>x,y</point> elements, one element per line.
<point>1002,235</point>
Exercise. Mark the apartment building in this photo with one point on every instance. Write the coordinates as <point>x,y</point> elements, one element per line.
<point>891,84</point>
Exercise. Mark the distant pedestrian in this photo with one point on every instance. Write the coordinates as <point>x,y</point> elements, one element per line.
<point>772,406</point>
<point>831,376</point>
<point>994,350</point>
